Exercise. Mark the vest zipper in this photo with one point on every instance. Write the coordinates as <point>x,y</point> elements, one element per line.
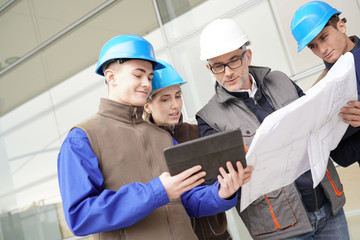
<point>146,152</point>
<point>316,201</point>
<point>134,113</point>
<point>145,145</point>
<point>171,229</point>
<point>315,196</point>
<point>144,142</point>
<point>122,233</point>
<point>153,174</point>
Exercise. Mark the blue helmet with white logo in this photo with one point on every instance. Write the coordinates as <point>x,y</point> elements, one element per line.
<point>126,46</point>
<point>309,20</point>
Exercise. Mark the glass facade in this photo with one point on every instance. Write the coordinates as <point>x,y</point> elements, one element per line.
<point>56,87</point>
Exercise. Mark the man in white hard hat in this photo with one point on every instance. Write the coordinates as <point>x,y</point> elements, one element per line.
<point>244,96</point>
<point>318,26</point>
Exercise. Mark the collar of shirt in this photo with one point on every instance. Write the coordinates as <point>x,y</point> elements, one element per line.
<point>253,89</point>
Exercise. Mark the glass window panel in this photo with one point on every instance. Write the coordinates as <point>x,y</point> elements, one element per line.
<point>156,39</point>
<point>7,200</point>
<point>77,97</point>
<point>30,151</point>
<point>73,52</point>
<point>32,137</point>
<point>171,9</point>
<point>77,85</point>
<point>199,16</point>
<point>17,87</point>
<point>2,2</point>
<point>38,220</point>
<point>37,167</point>
<point>38,21</point>
<point>266,43</point>
<point>79,108</point>
<point>24,113</point>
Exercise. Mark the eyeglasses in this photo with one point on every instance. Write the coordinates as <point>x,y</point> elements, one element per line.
<point>233,64</point>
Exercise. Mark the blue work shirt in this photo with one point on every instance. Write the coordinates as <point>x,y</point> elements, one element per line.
<point>356,54</point>
<point>89,208</point>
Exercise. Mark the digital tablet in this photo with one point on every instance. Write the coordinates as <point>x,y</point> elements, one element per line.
<point>211,152</point>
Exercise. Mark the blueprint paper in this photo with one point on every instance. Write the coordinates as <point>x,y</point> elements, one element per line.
<point>300,136</point>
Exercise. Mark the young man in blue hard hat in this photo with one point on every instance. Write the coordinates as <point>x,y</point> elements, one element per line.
<point>318,26</point>
<point>112,173</point>
<point>244,96</point>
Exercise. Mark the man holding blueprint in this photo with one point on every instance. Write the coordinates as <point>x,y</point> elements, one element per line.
<point>245,95</point>
<point>318,26</point>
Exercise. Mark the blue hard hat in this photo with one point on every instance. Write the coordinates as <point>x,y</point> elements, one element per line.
<point>126,46</point>
<point>309,20</point>
<point>165,77</point>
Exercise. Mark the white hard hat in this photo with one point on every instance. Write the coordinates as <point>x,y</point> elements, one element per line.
<point>219,37</point>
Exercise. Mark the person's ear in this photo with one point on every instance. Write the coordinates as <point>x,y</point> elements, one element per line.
<point>110,76</point>
<point>341,26</point>
<point>208,67</point>
<point>248,56</point>
<point>147,108</point>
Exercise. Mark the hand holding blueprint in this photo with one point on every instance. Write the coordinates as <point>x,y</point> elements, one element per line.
<point>301,135</point>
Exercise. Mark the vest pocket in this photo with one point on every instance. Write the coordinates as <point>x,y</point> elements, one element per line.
<point>270,212</point>
<point>248,136</point>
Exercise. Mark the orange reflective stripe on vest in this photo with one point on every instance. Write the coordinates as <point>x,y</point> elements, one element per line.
<point>337,192</point>
<point>273,214</point>
<point>245,148</point>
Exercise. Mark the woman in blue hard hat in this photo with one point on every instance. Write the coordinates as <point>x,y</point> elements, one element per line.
<point>164,103</point>
<point>163,109</point>
<point>112,172</point>
<point>318,26</point>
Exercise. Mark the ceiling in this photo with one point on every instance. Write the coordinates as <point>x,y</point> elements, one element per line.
<point>44,35</point>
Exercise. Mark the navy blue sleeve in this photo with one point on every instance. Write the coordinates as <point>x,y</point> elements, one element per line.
<point>88,207</point>
<point>298,89</point>
<point>348,151</point>
<point>350,131</point>
<point>204,128</point>
<point>356,54</point>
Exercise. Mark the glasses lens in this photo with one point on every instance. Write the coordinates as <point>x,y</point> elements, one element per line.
<point>218,69</point>
<point>236,63</point>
